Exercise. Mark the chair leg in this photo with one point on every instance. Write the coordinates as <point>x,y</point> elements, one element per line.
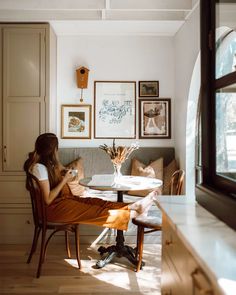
<point>42,253</point>
<point>139,250</point>
<point>101,236</point>
<point>35,242</point>
<point>77,245</point>
<point>67,244</point>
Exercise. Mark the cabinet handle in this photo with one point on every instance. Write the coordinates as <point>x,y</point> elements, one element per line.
<point>201,282</point>
<point>5,153</point>
<point>168,242</point>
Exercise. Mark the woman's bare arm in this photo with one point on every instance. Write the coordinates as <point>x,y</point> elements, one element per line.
<point>50,195</point>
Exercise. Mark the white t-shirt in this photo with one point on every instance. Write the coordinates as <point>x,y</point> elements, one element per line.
<point>40,171</point>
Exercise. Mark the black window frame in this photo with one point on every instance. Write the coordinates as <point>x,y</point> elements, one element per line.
<point>214,192</point>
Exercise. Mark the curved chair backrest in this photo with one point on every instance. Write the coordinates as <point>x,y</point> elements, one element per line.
<point>176,183</point>
<point>42,225</point>
<point>37,200</point>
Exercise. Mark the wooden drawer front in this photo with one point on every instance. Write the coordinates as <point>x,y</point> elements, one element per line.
<point>170,281</point>
<point>174,249</point>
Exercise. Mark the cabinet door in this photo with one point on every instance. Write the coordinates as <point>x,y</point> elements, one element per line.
<point>23,92</point>
<point>169,282</point>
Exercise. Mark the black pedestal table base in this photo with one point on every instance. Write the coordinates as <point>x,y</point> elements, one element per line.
<point>118,250</point>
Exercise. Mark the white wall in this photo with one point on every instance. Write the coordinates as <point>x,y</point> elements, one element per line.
<point>187,46</point>
<point>130,58</point>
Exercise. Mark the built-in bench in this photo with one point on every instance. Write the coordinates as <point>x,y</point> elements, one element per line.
<point>96,161</point>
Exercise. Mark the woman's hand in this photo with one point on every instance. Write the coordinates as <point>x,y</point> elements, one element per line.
<point>68,175</point>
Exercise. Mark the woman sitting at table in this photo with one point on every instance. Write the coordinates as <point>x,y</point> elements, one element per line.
<point>62,206</point>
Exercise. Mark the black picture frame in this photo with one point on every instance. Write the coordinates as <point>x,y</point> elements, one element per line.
<point>155,118</point>
<point>148,88</point>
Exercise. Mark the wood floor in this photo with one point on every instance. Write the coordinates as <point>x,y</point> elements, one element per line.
<point>61,275</point>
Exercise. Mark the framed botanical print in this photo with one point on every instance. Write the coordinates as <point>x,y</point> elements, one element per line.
<point>114,109</point>
<point>155,118</point>
<point>76,121</point>
<point>148,88</point>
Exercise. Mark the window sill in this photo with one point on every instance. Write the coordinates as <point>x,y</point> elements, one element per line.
<point>220,205</point>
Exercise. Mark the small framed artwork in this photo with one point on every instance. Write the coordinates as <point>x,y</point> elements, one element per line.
<point>114,109</point>
<point>148,88</point>
<point>76,121</point>
<point>155,118</point>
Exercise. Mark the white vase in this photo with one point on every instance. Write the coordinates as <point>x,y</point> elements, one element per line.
<point>117,171</point>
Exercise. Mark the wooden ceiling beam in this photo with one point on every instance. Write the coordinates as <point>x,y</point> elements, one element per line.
<point>152,4</point>
<point>52,4</point>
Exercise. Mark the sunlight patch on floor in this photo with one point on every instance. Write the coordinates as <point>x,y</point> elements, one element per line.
<point>72,262</point>
<point>120,273</point>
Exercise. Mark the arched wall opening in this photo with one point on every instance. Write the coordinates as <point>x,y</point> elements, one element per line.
<point>192,106</point>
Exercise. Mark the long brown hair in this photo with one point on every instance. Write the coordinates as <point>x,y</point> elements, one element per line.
<point>45,153</point>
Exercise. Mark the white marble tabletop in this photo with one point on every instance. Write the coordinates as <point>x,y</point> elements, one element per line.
<point>212,242</point>
<point>124,183</point>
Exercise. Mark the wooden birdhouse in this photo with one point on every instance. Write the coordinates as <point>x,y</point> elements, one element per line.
<point>82,77</point>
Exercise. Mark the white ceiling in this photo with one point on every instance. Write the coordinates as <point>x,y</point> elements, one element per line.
<point>72,17</point>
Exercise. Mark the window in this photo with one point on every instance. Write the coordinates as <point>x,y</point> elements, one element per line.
<point>217,125</point>
<point>225,111</point>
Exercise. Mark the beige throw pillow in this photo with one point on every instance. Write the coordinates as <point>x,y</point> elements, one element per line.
<point>153,170</point>
<point>75,187</point>
<point>168,172</point>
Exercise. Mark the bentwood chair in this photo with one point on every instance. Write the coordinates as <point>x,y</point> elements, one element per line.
<point>41,224</point>
<point>152,223</point>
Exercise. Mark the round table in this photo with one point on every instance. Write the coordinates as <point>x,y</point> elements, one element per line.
<point>121,185</point>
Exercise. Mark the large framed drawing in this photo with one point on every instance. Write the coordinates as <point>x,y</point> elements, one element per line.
<point>76,121</point>
<point>155,118</point>
<point>114,110</point>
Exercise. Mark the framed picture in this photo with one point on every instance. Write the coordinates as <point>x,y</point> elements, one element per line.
<point>155,118</point>
<point>76,121</point>
<point>148,88</point>
<point>114,109</point>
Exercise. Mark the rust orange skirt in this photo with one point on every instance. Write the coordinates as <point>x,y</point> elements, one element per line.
<point>89,211</point>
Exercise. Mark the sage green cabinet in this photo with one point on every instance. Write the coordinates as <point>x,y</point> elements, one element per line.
<point>25,87</point>
<point>27,108</point>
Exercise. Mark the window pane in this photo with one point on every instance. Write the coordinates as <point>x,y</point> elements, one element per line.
<point>226,132</point>
<point>225,38</point>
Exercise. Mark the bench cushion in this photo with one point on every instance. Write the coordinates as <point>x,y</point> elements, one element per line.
<point>153,170</point>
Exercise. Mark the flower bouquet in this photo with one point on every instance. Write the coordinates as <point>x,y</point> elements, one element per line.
<point>118,154</point>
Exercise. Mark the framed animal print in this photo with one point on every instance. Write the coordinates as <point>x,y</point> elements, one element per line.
<point>148,88</point>
<point>114,109</point>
